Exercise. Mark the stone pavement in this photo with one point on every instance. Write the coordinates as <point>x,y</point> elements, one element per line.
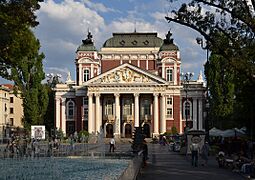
<point>163,164</point>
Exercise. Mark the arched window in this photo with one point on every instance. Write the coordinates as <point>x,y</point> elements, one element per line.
<point>70,109</point>
<point>187,110</point>
<point>86,75</point>
<point>169,74</point>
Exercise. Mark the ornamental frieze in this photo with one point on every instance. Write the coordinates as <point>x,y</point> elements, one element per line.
<point>124,75</point>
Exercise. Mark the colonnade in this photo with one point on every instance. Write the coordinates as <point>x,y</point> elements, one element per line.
<point>95,118</point>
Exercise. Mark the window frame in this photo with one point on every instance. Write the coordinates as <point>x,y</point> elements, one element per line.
<point>169,76</point>
<point>86,74</point>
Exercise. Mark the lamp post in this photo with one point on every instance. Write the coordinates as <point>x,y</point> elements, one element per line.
<point>53,79</point>
<point>186,77</point>
<point>205,45</point>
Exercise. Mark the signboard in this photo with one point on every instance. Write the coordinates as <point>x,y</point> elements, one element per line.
<point>38,132</point>
<point>195,136</point>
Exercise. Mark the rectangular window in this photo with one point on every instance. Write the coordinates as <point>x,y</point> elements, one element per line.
<point>169,75</point>
<point>11,121</point>
<point>109,107</point>
<point>85,101</point>
<point>169,101</point>
<point>169,113</point>
<point>11,110</point>
<point>11,99</point>
<point>86,112</point>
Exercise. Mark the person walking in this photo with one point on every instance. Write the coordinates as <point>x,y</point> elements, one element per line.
<point>204,153</point>
<point>194,148</point>
<point>112,144</point>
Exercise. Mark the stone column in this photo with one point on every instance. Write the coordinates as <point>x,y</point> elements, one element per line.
<point>200,114</point>
<point>92,71</point>
<point>91,122</point>
<point>57,120</point>
<point>194,109</point>
<point>136,109</point>
<point>155,105</point>
<point>80,74</point>
<point>98,113</point>
<point>63,115</point>
<point>175,73</point>
<point>163,113</point>
<point>117,115</point>
<point>163,70</point>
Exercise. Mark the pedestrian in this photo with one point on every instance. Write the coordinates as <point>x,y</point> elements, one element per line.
<point>145,153</point>
<point>205,153</point>
<point>112,144</point>
<point>194,148</point>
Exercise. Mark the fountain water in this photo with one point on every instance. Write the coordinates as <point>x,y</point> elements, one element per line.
<point>101,143</point>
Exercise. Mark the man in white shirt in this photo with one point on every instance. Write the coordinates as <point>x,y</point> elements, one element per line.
<point>112,145</point>
<point>194,148</point>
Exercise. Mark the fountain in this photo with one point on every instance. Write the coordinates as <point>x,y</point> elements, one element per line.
<point>55,163</point>
<point>101,143</point>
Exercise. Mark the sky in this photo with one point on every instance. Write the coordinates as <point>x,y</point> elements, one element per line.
<point>64,23</point>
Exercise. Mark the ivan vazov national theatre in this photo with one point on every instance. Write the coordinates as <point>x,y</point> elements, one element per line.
<point>133,80</point>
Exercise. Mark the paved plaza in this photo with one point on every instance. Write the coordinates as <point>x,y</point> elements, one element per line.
<point>163,164</point>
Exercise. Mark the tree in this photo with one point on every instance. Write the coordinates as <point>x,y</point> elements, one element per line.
<point>220,79</point>
<point>27,76</point>
<point>15,17</point>
<point>20,59</point>
<point>228,27</point>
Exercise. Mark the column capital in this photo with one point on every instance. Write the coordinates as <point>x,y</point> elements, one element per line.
<point>97,94</point>
<point>136,94</point>
<point>163,94</point>
<point>89,94</point>
<point>117,94</point>
<point>155,94</point>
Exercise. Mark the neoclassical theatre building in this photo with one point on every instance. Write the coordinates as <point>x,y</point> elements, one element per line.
<point>133,80</point>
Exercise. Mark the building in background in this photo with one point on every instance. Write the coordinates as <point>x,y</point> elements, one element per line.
<point>134,80</point>
<point>11,111</point>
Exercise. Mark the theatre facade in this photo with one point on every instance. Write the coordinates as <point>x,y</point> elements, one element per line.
<point>133,80</point>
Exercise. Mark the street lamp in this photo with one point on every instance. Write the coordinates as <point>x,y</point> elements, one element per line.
<point>53,79</point>
<point>186,77</point>
<point>205,46</point>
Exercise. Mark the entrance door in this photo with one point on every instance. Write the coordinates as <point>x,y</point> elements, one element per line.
<point>146,130</point>
<point>128,131</point>
<point>109,130</point>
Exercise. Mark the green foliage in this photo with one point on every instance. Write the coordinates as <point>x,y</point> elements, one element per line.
<point>174,130</point>
<point>16,17</point>
<point>49,115</point>
<point>20,59</point>
<point>83,133</point>
<point>228,28</point>
<point>60,134</point>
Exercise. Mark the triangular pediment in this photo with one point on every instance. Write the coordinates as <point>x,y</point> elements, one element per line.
<point>126,73</point>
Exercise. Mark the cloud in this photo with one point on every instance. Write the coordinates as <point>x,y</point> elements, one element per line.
<point>63,25</point>
<point>98,6</point>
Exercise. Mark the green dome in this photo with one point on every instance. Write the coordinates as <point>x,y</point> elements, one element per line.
<point>86,47</point>
<point>134,39</point>
<point>168,47</point>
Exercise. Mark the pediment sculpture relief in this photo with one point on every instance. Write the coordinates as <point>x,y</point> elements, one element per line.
<point>124,75</point>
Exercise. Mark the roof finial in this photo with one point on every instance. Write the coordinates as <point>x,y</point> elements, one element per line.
<point>135,27</point>
<point>200,77</point>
